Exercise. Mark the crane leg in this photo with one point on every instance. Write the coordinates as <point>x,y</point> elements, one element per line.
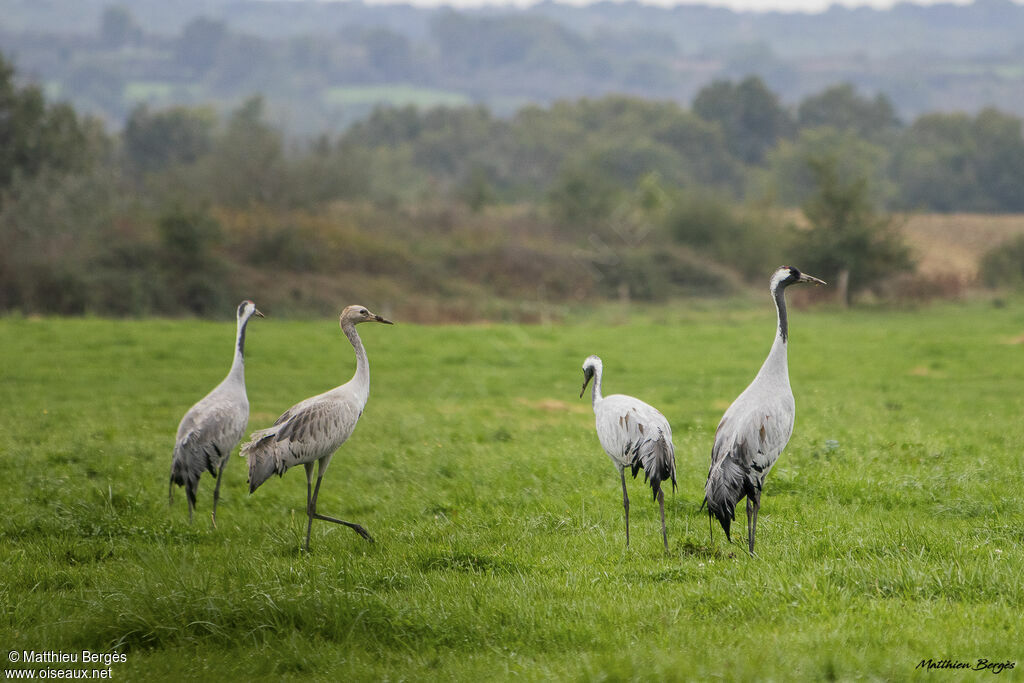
<point>313,514</point>
<point>661,505</point>
<point>753,527</point>
<point>625,503</point>
<point>190,494</point>
<point>216,492</point>
<point>309,501</point>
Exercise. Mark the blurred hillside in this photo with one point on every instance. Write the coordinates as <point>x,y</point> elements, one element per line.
<point>323,65</point>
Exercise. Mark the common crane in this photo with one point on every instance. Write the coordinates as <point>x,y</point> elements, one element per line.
<point>756,427</point>
<point>635,435</point>
<point>313,429</point>
<point>213,426</point>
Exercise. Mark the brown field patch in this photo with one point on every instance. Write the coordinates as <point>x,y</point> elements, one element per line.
<point>952,244</point>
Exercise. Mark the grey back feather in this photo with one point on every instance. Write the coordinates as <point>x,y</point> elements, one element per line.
<point>208,433</point>
<point>307,432</point>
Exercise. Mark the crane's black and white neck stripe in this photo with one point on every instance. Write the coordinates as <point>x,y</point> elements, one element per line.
<point>246,310</point>
<point>776,363</point>
<point>782,278</point>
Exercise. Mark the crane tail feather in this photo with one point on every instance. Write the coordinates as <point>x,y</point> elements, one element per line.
<point>656,458</point>
<point>724,489</point>
<point>185,471</point>
<point>261,457</point>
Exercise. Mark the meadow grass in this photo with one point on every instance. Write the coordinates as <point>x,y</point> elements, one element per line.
<point>890,530</point>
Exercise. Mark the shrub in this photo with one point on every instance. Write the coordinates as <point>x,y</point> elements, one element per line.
<point>1003,265</point>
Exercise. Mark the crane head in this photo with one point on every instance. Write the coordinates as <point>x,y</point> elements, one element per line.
<point>248,308</point>
<point>590,367</point>
<point>785,276</point>
<point>360,314</point>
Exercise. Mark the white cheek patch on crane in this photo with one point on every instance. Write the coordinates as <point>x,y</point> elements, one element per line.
<point>780,275</point>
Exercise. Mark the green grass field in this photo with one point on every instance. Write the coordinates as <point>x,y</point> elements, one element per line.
<point>890,530</point>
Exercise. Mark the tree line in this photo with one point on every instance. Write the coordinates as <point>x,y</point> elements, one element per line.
<point>183,209</point>
<point>314,61</point>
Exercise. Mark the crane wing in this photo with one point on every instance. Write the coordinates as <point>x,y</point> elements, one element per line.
<point>636,435</point>
<point>748,441</point>
<point>304,433</point>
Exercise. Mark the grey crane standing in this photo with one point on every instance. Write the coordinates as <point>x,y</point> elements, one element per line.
<point>313,429</point>
<point>756,427</point>
<point>213,426</point>
<point>635,435</point>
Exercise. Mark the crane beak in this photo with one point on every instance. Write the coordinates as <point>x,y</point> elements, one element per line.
<point>256,312</point>
<point>804,277</point>
<point>382,319</point>
<point>586,381</point>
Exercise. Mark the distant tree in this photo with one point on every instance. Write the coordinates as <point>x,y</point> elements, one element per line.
<point>1000,145</point>
<point>849,242</point>
<point>714,225</point>
<point>468,43</point>
<point>386,126</point>
<point>35,135</point>
<point>193,270</point>
<point>199,44</point>
<point>1002,266</point>
<point>389,54</point>
<point>477,191</point>
<point>155,140</point>
<point>118,27</point>
<point>842,108</point>
<point>792,180</point>
<point>582,197</point>
<point>951,162</point>
<point>248,163</point>
<point>749,113</point>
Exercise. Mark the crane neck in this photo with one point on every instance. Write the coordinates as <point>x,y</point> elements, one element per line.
<point>779,295</point>
<point>238,364</point>
<point>595,391</point>
<point>362,377</point>
<point>776,361</point>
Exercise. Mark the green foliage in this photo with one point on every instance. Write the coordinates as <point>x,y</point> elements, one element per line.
<point>35,135</point>
<point>154,141</point>
<point>193,271</point>
<point>952,162</point>
<point>792,180</point>
<point>498,518</point>
<point>750,115</point>
<point>1003,265</point>
<point>247,165</point>
<point>582,196</point>
<point>842,108</point>
<point>742,238</point>
<point>54,230</point>
<point>848,238</point>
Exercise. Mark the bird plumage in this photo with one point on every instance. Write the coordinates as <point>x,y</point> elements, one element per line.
<point>212,427</point>
<point>638,437</point>
<point>313,429</point>
<point>757,426</point>
<point>308,431</point>
<point>635,436</point>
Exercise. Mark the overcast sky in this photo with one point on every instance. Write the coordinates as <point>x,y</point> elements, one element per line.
<point>757,5</point>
